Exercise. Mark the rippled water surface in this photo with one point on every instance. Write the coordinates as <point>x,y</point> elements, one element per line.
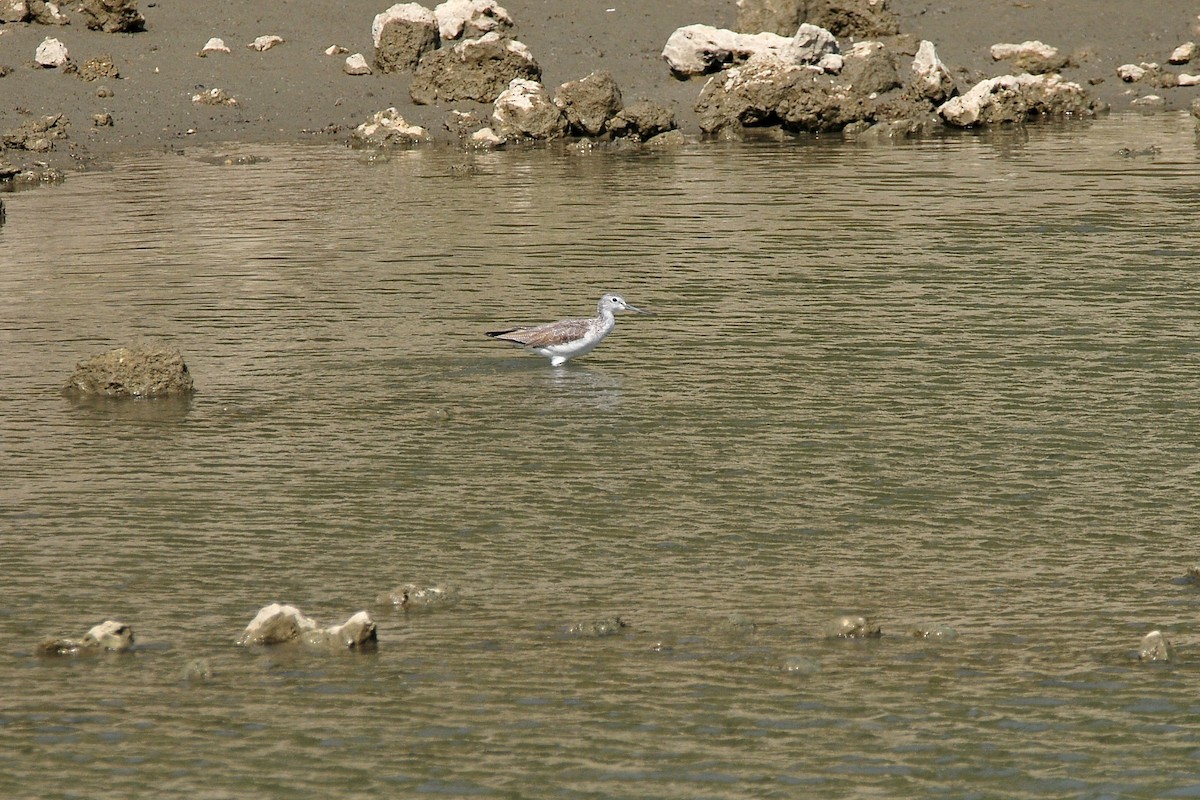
<point>953,382</point>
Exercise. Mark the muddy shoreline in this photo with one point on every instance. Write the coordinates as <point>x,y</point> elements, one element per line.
<point>296,93</point>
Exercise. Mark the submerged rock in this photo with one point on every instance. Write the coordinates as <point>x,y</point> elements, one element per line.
<point>852,627</point>
<point>356,633</point>
<point>410,597</point>
<point>599,628</point>
<point>108,636</point>
<point>1156,647</point>
<point>936,631</point>
<point>132,372</point>
<point>279,623</point>
<point>274,624</point>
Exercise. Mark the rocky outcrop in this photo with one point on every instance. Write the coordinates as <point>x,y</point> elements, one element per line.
<point>589,103</point>
<point>525,111</point>
<point>109,636</point>
<point>769,91</point>
<point>403,34</point>
<point>112,16</point>
<point>474,69</point>
<point>470,18</point>
<point>701,49</point>
<point>930,78</point>
<point>858,19</point>
<point>132,372</point>
<point>1015,98</point>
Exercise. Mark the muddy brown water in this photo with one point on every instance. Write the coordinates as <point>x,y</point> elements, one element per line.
<point>953,382</point>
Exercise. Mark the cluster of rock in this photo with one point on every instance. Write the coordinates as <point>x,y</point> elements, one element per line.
<point>809,82</point>
<point>131,372</point>
<point>110,16</point>
<point>277,623</point>
<point>1155,75</point>
<point>464,50</point>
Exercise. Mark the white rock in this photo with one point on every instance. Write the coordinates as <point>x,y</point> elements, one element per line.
<point>930,75</point>
<point>1130,72</point>
<point>1035,49</point>
<point>1155,647</point>
<point>455,17</point>
<point>809,45</point>
<point>214,45</point>
<point>51,53</point>
<point>265,43</point>
<point>1184,53</point>
<point>109,635</point>
<point>276,623</point>
<point>414,13</point>
<point>335,50</point>
<point>357,65</point>
<point>1189,80</point>
<point>696,49</point>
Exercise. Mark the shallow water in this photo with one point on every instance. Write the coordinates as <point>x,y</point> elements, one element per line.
<point>946,382</point>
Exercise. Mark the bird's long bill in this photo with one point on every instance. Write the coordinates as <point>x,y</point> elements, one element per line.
<point>637,310</point>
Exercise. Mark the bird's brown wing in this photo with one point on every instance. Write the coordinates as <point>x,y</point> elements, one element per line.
<point>545,335</point>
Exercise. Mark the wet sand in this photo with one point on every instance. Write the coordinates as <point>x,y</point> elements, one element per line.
<point>294,92</point>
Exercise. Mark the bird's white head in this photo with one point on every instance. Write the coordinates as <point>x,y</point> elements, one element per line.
<point>611,303</point>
